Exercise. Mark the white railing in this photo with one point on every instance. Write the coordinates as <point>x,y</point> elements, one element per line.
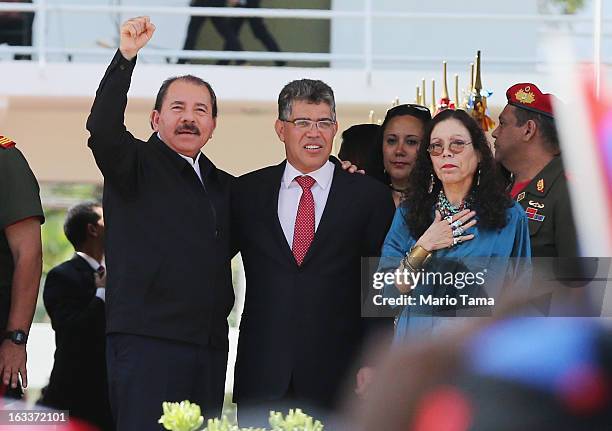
<point>366,16</point>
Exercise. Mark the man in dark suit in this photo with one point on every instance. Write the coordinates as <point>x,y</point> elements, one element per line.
<point>74,295</point>
<point>166,207</point>
<point>302,227</point>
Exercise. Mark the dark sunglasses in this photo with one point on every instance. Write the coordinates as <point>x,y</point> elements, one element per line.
<point>419,111</point>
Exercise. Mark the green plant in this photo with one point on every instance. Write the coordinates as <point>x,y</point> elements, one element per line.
<point>183,416</point>
<point>225,425</point>
<point>186,416</point>
<point>294,421</point>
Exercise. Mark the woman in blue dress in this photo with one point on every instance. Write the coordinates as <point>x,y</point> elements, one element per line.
<point>456,218</point>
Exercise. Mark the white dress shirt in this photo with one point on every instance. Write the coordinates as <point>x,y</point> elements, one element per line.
<point>291,192</point>
<point>100,291</point>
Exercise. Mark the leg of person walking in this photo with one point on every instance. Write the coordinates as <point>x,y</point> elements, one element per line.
<point>193,29</point>
<point>231,41</point>
<point>261,32</point>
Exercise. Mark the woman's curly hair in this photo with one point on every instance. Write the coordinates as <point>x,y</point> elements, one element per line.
<point>490,199</point>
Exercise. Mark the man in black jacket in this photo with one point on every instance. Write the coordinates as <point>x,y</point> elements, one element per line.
<point>166,207</point>
<point>74,295</point>
<point>302,227</point>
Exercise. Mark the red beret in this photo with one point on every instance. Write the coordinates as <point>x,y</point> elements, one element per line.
<point>528,96</point>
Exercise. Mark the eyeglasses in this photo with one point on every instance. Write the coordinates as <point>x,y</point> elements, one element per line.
<point>306,124</point>
<point>455,147</point>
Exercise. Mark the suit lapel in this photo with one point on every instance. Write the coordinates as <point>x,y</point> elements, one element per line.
<point>84,269</point>
<point>270,210</point>
<point>81,264</point>
<point>333,213</point>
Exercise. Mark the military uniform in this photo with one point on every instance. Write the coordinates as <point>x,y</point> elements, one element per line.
<point>545,198</point>
<point>547,204</point>
<point>19,199</point>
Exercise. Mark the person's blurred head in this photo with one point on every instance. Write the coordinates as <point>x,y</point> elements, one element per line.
<point>84,223</point>
<point>357,145</point>
<point>306,123</point>
<point>526,124</point>
<point>508,374</point>
<point>185,114</point>
<point>455,151</point>
<point>400,136</point>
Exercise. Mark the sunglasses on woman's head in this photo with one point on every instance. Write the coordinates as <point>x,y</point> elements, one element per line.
<point>418,111</point>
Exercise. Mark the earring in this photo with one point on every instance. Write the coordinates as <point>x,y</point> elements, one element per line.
<point>431,184</point>
<point>478,178</point>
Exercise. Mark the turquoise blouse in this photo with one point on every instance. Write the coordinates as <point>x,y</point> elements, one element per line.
<point>487,253</point>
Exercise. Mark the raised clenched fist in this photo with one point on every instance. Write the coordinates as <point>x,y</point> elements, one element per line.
<point>135,33</point>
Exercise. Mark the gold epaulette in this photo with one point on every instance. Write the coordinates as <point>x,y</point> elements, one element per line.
<point>6,142</point>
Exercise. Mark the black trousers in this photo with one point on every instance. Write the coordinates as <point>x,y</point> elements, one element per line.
<point>259,29</point>
<point>143,372</point>
<point>222,26</point>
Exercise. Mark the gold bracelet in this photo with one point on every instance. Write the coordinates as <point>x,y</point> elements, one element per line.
<point>417,257</point>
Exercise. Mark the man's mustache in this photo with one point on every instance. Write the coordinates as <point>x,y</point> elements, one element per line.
<point>188,128</point>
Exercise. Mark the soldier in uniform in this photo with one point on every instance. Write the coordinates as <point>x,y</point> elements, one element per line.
<point>527,145</point>
<point>21,215</point>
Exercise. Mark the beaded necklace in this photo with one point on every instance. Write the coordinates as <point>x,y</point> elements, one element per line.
<point>446,208</point>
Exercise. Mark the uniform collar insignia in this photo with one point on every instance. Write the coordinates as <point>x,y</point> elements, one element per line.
<point>540,185</point>
<point>520,196</point>
<point>6,142</point>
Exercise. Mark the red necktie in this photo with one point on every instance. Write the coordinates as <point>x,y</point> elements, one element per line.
<point>303,233</point>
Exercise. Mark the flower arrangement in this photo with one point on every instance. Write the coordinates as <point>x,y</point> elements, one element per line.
<point>182,416</point>
<point>186,416</point>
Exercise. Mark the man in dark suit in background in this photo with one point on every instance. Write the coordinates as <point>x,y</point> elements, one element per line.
<point>166,206</point>
<point>302,227</point>
<point>74,298</point>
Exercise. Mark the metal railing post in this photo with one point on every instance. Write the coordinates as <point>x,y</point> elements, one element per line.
<point>597,14</point>
<point>41,32</point>
<point>367,34</point>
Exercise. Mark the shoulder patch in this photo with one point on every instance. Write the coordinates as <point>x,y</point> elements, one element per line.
<point>6,142</point>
